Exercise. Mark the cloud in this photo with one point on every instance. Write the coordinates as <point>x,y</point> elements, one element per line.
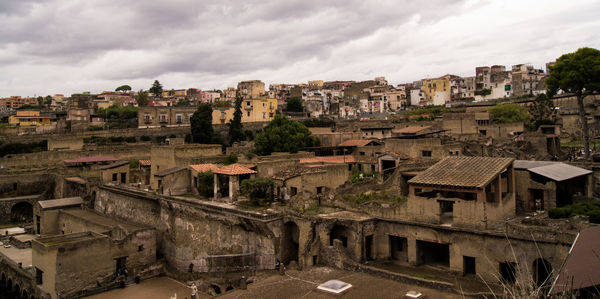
<point>69,46</point>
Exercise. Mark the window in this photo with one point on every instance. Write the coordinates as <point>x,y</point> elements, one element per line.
<point>293,191</point>
<point>264,115</point>
<point>178,118</point>
<point>361,153</point>
<point>248,113</point>
<point>319,190</point>
<point>114,177</point>
<point>426,153</point>
<point>469,265</point>
<point>140,247</point>
<point>483,132</point>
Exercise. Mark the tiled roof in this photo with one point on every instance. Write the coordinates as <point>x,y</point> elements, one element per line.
<point>204,167</point>
<point>328,159</point>
<point>234,169</point>
<point>94,159</point>
<point>145,162</point>
<point>410,130</point>
<point>357,142</point>
<point>463,172</point>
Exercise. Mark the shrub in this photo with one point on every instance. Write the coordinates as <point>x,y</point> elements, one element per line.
<point>96,128</point>
<point>206,184</point>
<point>248,135</point>
<point>508,113</point>
<point>130,139</point>
<point>172,136</point>
<point>145,138</point>
<point>558,213</point>
<point>22,148</point>
<point>134,163</point>
<point>258,190</point>
<point>231,159</point>
<point>160,139</point>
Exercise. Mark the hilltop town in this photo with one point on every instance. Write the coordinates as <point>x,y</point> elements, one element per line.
<point>448,187</point>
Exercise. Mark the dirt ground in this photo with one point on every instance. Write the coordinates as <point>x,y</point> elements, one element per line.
<point>303,284</point>
<point>155,288</point>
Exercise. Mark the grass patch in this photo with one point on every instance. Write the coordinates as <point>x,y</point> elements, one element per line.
<point>422,276</point>
<point>365,197</point>
<point>579,144</point>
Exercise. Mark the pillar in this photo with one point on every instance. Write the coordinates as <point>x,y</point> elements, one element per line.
<point>499,188</point>
<point>216,185</point>
<point>411,244</point>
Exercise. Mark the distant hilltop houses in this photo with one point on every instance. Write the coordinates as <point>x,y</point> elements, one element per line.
<point>316,98</point>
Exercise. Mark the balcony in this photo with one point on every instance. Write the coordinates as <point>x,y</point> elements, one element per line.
<point>249,107</point>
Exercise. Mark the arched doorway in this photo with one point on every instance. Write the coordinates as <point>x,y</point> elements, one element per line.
<point>290,243</point>
<point>21,212</point>
<point>542,270</point>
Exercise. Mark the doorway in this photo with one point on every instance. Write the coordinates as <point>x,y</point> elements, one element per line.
<point>369,247</point>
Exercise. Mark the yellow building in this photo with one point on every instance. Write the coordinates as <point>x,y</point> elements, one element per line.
<point>437,91</point>
<point>253,110</point>
<point>27,118</point>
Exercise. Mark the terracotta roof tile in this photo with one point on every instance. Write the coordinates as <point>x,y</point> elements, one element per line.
<point>234,169</point>
<point>465,172</point>
<point>145,162</point>
<point>204,167</point>
<point>294,172</point>
<point>328,159</point>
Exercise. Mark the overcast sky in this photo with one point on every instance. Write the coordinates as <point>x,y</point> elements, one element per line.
<point>70,46</point>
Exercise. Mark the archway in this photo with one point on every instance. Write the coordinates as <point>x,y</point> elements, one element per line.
<point>216,288</point>
<point>290,243</point>
<point>542,269</point>
<point>21,212</point>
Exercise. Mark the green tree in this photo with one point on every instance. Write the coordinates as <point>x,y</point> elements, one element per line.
<point>294,104</point>
<point>201,124</point>
<point>156,89</point>
<point>142,98</point>
<point>231,159</point>
<point>508,113</point>
<point>283,135</point>
<point>40,101</point>
<point>236,132</point>
<point>542,112</point>
<point>577,73</point>
<point>48,101</point>
<point>123,88</point>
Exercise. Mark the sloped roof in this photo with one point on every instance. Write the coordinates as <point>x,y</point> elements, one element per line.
<point>581,267</point>
<point>234,169</point>
<point>556,171</point>
<point>411,130</point>
<point>204,167</point>
<point>560,171</point>
<point>358,142</point>
<point>463,172</point>
<point>61,202</point>
<point>170,171</point>
<point>114,165</point>
<point>94,159</point>
<point>329,159</point>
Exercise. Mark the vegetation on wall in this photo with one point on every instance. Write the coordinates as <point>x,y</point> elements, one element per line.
<point>115,112</point>
<point>542,112</point>
<point>508,113</point>
<point>294,104</point>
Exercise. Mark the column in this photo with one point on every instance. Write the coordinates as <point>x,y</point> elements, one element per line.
<point>216,185</point>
